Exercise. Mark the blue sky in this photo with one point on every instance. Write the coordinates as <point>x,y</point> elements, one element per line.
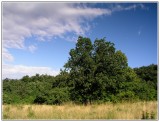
<point>37,37</point>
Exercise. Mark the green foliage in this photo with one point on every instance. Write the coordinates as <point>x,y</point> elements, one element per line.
<point>54,96</point>
<point>147,73</point>
<point>40,99</point>
<point>58,96</point>
<point>148,86</point>
<point>23,91</point>
<point>94,73</point>
<point>9,98</point>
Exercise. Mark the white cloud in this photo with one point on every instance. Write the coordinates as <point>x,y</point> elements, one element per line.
<point>18,71</point>
<point>32,48</point>
<point>24,19</point>
<point>119,7</point>
<point>6,55</point>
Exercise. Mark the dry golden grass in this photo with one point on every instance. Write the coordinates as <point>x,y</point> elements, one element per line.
<point>119,111</point>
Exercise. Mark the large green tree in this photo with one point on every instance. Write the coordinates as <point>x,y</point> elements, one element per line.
<point>95,70</point>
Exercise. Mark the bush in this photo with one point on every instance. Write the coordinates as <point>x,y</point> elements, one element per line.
<point>128,95</point>
<point>58,96</point>
<point>10,98</point>
<point>54,96</point>
<point>40,99</point>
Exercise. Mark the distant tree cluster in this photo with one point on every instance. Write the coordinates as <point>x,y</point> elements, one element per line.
<point>94,73</point>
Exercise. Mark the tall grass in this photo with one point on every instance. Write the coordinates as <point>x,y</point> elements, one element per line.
<point>118,111</point>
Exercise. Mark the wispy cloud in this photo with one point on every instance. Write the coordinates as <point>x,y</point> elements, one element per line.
<point>6,55</point>
<point>18,71</point>
<point>32,48</point>
<point>118,7</point>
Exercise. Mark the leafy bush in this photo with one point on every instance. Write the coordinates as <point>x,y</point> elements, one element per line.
<point>40,99</point>
<point>58,96</point>
<point>54,96</point>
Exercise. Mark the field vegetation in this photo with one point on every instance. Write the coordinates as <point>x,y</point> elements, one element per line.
<point>70,111</point>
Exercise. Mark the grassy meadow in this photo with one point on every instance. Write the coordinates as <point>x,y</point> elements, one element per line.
<point>69,111</point>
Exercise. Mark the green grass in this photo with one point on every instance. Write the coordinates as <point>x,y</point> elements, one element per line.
<point>107,111</point>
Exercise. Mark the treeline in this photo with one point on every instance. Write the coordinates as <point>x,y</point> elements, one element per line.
<point>94,73</point>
